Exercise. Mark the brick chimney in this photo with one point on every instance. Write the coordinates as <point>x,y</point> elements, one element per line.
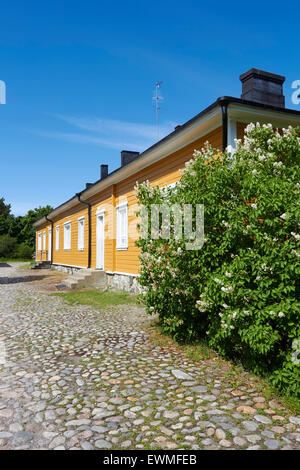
<point>103,171</point>
<point>128,156</point>
<point>263,87</point>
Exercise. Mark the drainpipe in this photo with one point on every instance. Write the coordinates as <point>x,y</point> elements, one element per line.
<point>224,126</point>
<point>51,222</point>
<point>90,227</point>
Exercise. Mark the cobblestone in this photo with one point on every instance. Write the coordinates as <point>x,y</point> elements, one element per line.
<point>75,378</point>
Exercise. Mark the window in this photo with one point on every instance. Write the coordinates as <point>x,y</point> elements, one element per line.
<point>39,241</point>
<point>122,226</point>
<point>67,236</point>
<point>44,241</point>
<point>81,233</point>
<point>57,237</point>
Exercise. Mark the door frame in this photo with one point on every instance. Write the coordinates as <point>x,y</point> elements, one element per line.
<point>99,214</point>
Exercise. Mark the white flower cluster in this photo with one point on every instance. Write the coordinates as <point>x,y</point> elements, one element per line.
<point>288,132</point>
<point>296,235</point>
<point>144,185</point>
<point>250,128</point>
<point>227,289</point>
<point>226,224</point>
<point>201,305</point>
<point>273,314</point>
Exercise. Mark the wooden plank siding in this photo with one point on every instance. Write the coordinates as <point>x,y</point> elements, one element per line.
<point>240,130</point>
<point>164,172</point>
<point>72,257</point>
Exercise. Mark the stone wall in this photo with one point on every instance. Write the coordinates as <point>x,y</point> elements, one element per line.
<point>65,269</point>
<point>128,283</point>
<point>123,282</point>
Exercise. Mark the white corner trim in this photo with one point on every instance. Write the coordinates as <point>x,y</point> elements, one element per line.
<point>231,135</point>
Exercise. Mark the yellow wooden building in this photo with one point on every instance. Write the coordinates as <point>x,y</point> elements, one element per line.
<point>97,227</point>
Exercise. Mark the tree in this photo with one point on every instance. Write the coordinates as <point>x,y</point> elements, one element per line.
<point>240,290</point>
<point>5,217</point>
<point>15,227</point>
<point>27,231</point>
<point>17,235</point>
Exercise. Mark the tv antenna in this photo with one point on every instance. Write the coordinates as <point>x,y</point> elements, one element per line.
<point>157,98</point>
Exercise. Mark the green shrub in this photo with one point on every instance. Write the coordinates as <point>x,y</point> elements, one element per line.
<point>23,251</point>
<point>7,246</point>
<point>240,290</point>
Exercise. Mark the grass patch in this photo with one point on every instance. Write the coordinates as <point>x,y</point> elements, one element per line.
<point>291,403</point>
<point>96,298</point>
<point>25,267</point>
<point>196,352</point>
<point>200,351</point>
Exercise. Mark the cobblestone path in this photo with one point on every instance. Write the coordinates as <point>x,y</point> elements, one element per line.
<point>75,378</point>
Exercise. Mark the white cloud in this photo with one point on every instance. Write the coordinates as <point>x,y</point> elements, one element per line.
<point>110,133</point>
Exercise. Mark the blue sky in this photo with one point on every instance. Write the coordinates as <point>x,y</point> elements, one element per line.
<point>80,78</point>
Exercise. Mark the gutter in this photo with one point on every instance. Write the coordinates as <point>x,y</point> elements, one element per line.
<point>224,106</point>
<point>51,222</point>
<point>90,227</point>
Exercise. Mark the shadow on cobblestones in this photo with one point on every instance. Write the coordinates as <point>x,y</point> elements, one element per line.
<point>16,280</point>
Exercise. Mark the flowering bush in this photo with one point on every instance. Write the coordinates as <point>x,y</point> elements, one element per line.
<point>240,290</point>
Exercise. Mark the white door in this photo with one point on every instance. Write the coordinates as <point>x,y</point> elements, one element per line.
<point>100,242</point>
<point>49,244</point>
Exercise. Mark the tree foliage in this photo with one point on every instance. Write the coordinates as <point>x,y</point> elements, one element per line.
<point>241,290</point>
<point>17,235</point>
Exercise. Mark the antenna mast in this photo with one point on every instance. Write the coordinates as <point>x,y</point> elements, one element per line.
<point>157,98</point>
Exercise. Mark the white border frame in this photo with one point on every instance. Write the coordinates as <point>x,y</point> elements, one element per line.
<point>120,206</point>
<point>57,227</point>
<point>66,223</point>
<point>100,212</point>
<point>78,220</point>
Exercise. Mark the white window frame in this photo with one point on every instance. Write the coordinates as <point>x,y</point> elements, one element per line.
<point>122,232</point>
<point>39,242</point>
<point>67,246</point>
<point>44,240</point>
<point>57,238</point>
<point>81,235</point>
